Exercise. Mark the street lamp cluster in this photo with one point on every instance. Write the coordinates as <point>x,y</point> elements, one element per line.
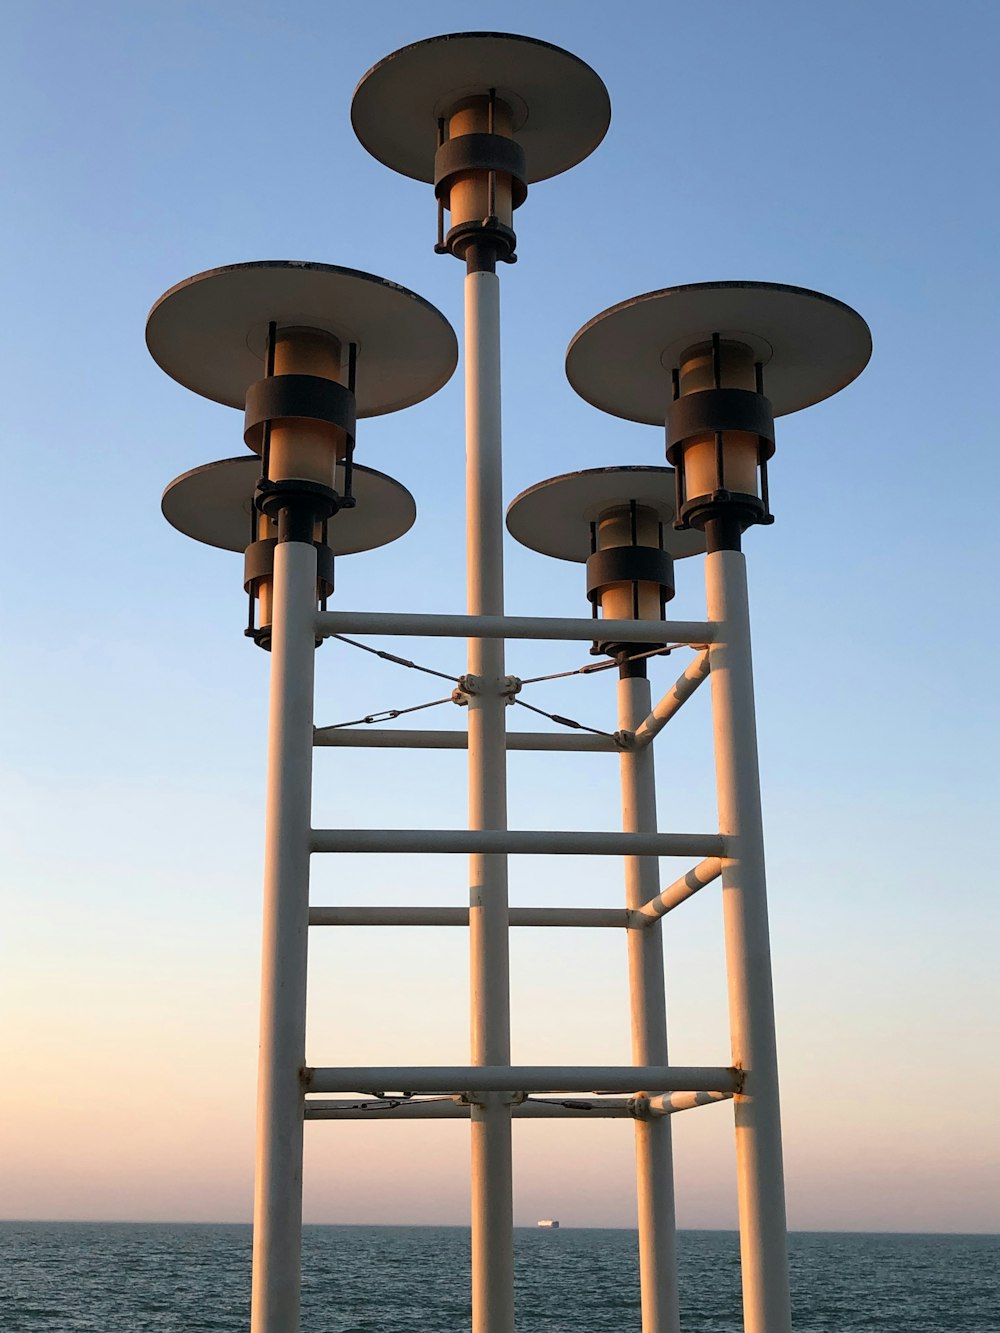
<point>333,345</point>
<point>307,350</point>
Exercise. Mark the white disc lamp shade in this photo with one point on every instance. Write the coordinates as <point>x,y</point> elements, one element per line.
<point>559,107</point>
<point>210,332</point>
<point>214,504</point>
<point>809,345</point>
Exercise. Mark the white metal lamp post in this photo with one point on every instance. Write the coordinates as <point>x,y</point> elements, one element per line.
<point>619,520</point>
<point>333,344</point>
<point>482,116</point>
<point>699,358</point>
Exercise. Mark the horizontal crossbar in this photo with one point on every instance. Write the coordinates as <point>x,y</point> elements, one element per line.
<point>534,1108</point>
<point>456,1079</point>
<point>448,1108</point>
<point>528,842</point>
<point>371,738</point>
<point>459,916</point>
<point>418,624</point>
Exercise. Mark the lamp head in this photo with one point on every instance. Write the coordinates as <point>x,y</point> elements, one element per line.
<point>481,115</point>
<point>333,344</point>
<point>619,522</point>
<point>715,363</point>
<point>215,504</point>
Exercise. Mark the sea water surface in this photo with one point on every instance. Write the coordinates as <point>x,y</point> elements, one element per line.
<point>127,1278</point>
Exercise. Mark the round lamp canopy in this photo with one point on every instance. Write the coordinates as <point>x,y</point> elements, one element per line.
<point>561,109</point>
<point>554,517</point>
<point>215,503</point>
<point>210,332</point>
<point>809,345</point>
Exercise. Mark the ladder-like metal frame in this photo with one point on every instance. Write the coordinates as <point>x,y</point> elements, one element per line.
<point>490,1090</point>
<point>290,1092</point>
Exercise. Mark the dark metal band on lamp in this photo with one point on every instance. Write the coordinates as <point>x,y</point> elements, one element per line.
<point>258,564</point>
<point>304,397</point>
<point>635,565</point>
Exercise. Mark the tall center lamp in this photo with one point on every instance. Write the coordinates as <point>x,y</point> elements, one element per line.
<point>482,116</point>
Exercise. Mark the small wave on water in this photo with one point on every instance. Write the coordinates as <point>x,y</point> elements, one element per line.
<point>129,1278</point>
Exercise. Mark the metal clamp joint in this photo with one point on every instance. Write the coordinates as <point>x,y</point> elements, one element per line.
<point>484,1099</point>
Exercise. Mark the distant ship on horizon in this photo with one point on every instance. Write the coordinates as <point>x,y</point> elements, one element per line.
<point>551,1222</point>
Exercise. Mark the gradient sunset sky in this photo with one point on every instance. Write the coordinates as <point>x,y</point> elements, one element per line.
<point>849,148</point>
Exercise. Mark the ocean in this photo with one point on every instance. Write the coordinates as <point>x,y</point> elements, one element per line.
<point>127,1278</point>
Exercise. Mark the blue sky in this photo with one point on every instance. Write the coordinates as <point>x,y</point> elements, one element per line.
<point>848,148</point>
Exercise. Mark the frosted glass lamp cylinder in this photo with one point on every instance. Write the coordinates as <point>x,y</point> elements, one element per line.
<point>740,449</point>
<point>263,588</point>
<point>631,600</point>
<point>468,197</point>
<point>302,449</point>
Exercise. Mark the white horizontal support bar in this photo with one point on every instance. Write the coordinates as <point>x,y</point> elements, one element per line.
<point>455,1079</point>
<point>364,738</point>
<point>447,1108</point>
<point>534,1108</point>
<point>388,1109</point>
<point>459,916</point>
<point>681,889</point>
<point>527,842</point>
<point>417,625</point>
<point>678,694</point>
<point>388,916</point>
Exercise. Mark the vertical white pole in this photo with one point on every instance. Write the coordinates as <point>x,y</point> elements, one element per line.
<point>278,1186</point>
<point>653,1147</point>
<point>492,1187</point>
<point>760,1183</point>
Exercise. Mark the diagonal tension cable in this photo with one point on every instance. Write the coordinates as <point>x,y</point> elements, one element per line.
<point>564,721</point>
<point>392,657</point>
<point>387,714</point>
<point>591,667</point>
